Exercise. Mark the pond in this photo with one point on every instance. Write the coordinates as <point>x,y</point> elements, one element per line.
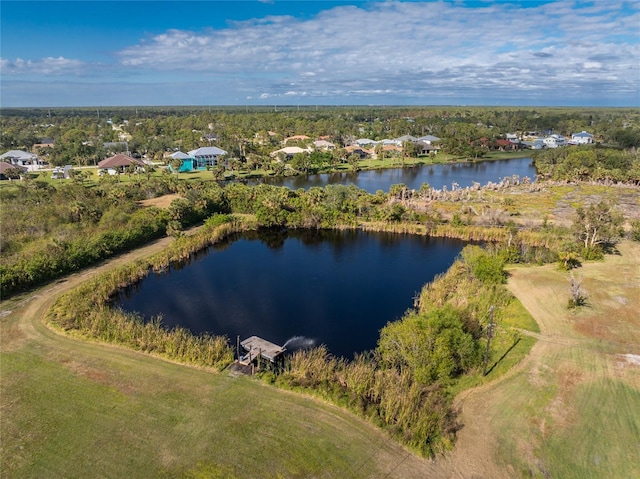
<point>437,176</point>
<point>336,288</point>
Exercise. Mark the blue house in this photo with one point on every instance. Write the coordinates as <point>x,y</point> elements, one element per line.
<point>199,159</point>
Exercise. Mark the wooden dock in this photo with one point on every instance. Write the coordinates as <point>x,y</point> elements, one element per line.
<point>256,348</point>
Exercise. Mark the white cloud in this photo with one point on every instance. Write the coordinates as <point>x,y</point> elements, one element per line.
<point>414,48</point>
<point>45,66</point>
<point>399,52</point>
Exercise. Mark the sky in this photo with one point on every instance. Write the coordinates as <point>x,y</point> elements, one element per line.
<point>273,52</point>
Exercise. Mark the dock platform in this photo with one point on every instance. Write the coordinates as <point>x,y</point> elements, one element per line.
<point>255,346</point>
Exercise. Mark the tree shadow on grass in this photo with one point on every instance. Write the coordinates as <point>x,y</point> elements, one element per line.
<point>504,355</point>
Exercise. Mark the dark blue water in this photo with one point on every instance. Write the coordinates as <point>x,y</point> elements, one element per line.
<point>437,176</point>
<point>336,288</point>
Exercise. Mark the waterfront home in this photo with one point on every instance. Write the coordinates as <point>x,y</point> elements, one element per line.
<point>206,156</point>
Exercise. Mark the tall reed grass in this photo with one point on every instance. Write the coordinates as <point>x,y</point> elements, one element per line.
<point>86,310</point>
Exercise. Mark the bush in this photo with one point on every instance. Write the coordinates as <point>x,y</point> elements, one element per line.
<point>485,266</point>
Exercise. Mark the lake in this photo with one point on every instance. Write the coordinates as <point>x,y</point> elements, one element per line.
<point>437,176</point>
<point>336,288</point>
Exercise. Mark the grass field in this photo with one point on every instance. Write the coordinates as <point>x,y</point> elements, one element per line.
<point>574,410</point>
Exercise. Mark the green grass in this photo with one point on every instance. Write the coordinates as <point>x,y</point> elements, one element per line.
<point>604,440</point>
<point>70,407</point>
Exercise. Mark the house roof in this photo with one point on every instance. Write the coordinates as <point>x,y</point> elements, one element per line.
<point>4,166</point>
<point>179,155</point>
<point>119,160</point>
<point>428,138</point>
<point>18,154</point>
<point>427,146</point>
<point>207,151</point>
<point>582,134</point>
<point>290,150</point>
<point>404,138</point>
<point>323,143</point>
<point>365,141</point>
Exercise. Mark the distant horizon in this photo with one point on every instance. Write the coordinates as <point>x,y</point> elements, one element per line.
<point>312,106</point>
<point>528,53</point>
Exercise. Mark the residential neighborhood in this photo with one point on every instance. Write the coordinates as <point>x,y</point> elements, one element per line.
<point>206,157</point>
<point>290,143</point>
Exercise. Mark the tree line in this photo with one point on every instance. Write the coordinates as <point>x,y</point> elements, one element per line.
<point>85,136</point>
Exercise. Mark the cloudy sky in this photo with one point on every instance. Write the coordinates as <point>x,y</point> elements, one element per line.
<point>93,53</point>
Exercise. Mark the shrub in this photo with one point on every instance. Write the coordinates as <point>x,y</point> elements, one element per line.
<point>485,266</point>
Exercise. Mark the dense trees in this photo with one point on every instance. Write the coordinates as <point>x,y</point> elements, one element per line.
<point>588,162</point>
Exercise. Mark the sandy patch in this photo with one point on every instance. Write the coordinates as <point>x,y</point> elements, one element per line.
<point>161,201</point>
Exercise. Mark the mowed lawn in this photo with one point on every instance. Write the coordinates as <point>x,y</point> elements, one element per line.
<point>75,409</point>
<point>573,411</point>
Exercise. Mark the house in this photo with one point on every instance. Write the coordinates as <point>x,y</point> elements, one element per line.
<point>365,142</point>
<point>4,167</point>
<point>118,163</point>
<point>206,156</point>
<point>507,145</point>
<point>428,139</point>
<point>289,152</point>
<point>402,139</point>
<point>554,141</point>
<point>323,145</point>
<point>426,148</point>
<point>391,150</point>
<point>582,138</point>
<point>44,146</point>
<point>187,161</point>
<point>21,158</point>
<point>536,144</point>
<point>356,150</point>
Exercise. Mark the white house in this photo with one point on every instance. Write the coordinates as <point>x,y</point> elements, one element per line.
<point>289,151</point>
<point>21,158</point>
<point>429,139</point>
<point>323,145</point>
<point>554,141</point>
<point>400,140</point>
<point>365,141</point>
<point>582,138</point>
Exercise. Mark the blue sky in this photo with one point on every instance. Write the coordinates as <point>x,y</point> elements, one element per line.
<point>94,53</point>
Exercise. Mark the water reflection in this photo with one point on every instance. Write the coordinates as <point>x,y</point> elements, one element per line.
<point>333,287</point>
<point>437,176</point>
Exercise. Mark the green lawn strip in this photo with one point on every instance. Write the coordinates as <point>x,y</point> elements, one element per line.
<point>147,418</point>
